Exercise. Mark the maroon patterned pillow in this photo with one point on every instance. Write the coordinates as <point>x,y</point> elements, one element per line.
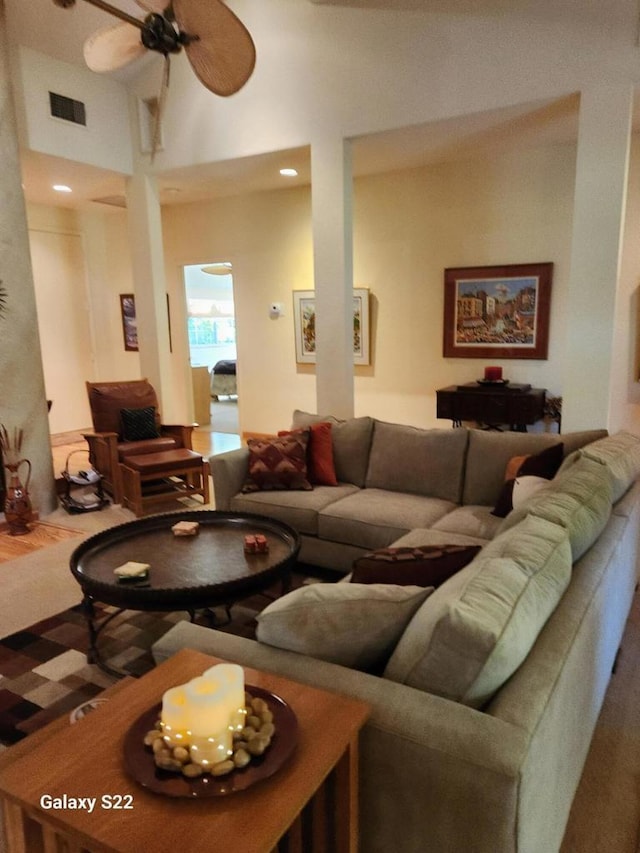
<point>426,565</point>
<point>278,463</point>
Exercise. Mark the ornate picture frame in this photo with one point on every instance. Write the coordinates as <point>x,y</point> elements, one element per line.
<point>304,316</point>
<point>497,311</point>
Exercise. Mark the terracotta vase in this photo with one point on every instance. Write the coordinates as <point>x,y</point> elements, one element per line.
<point>17,504</point>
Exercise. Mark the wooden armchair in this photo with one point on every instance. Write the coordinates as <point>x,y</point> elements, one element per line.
<point>124,426</point>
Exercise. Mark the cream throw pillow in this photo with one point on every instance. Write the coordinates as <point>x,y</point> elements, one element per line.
<point>478,627</point>
<point>356,625</point>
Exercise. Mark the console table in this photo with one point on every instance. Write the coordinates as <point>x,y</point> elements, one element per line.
<point>491,405</point>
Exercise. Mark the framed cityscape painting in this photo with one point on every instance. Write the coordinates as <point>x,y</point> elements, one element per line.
<point>304,316</point>
<point>500,311</point>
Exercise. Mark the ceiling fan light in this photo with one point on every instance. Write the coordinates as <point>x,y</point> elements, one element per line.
<point>62,188</point>
<point>289,173</point>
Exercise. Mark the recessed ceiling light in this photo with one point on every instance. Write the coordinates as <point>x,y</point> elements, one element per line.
<point>62,188</point>
<point>289,173</point>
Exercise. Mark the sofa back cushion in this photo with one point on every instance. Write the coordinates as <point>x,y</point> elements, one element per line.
<point>490,452</point>
<point>477,628</point>
<point>426,462</point>
<point>621,454</point>
<point>578,499</point>
<point>351,443</point>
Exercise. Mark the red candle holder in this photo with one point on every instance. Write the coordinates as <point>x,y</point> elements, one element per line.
<point>493,374</point>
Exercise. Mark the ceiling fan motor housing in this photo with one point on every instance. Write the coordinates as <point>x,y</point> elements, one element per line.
<point>158,34</point>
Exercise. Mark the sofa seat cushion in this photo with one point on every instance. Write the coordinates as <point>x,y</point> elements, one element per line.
<point>476,629</point>
<point>355,625</point>
<point>373,518</point>
<point>150,445</point>
<point>475,521</point>
<point>426,462</point>
<point>351,440</point>
<point>299,509</point>
<point>578,499</point>
<point>621,454</point>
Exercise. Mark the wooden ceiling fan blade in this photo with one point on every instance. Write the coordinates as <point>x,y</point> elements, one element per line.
<point>223,54</point>
<point>157,6</point>
<point>113,47</point>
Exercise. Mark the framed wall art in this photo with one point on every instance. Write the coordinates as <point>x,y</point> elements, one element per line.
<point>304,315</point>
<point>500,311</point>
<point>129,323</point>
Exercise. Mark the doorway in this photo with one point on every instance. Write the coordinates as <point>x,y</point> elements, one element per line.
<point>211,330</point>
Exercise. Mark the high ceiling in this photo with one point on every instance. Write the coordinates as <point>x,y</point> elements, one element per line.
<point>60,33</point>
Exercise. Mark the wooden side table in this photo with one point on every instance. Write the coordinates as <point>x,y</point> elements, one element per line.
<point>491,406</point>
<point>312,801</point>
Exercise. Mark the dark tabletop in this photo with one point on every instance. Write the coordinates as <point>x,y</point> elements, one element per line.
<point>210,567</point>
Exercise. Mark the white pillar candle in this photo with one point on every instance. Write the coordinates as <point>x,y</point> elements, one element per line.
<point>174,716</point>
<point>208,706</point>
<point>231,676</point>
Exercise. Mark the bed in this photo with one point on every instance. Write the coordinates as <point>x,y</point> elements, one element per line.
<point>223,379</point>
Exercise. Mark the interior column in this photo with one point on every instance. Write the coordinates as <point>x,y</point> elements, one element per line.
<point>598,221</point>
<point>147,260</point>
<point>331,205</point>
<point>23,403</point>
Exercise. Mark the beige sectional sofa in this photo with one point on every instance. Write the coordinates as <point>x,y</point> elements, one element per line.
<point>483,713</point>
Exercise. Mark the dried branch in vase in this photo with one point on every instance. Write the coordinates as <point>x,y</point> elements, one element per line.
<point>11,445</point>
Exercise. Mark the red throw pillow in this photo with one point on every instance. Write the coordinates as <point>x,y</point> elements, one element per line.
<point>322,470</point>
<point>278,463</point>
<point>426,565</point>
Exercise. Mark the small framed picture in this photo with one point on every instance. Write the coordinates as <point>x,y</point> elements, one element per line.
<point>500,311</point>
<point>129,323</point>
<point>304,313</point>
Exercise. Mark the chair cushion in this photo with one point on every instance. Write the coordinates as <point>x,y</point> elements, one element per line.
<point>139,424</point>
<point>279,462</point>
<point>477,628</point>
<point>355,625</point>
<point>165,462</point>
<point>152,445</point>
<point>107,399</point>
<point>424,565</point>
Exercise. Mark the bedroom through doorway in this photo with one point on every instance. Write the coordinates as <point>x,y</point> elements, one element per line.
<point>211,330</point>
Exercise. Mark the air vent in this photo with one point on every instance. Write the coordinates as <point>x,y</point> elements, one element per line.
<point>67,109</point>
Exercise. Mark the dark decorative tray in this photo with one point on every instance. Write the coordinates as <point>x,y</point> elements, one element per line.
<point>492,381</point>
<point>139,763</point>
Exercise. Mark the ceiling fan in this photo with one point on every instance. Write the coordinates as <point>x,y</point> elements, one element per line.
<point>217,44</point>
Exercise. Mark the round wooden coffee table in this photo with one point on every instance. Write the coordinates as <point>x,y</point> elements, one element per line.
<point>187,572</point>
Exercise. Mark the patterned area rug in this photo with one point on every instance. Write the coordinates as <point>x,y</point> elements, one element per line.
<point>44,671</point>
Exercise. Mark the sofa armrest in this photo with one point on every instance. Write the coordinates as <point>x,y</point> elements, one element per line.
<point>228,473</point>
<point>423,760</point>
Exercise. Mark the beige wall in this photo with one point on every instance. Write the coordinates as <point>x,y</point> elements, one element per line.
<point>80,265</point>
<point>408,226</point>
